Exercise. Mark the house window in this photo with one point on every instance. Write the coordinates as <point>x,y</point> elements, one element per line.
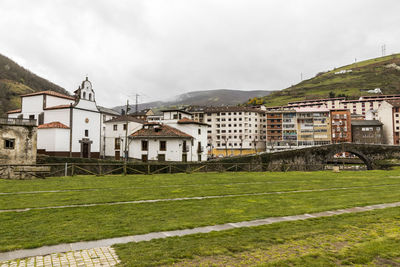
<point>84,95</point>
<point>31,117</point>
<point>144,145</point>
<point>9,143</point>
<point>86,133</point>
<point>90,97</point>
<point>198,157</point>
<point>175,116</point>
<point>184,157</point>
<point>115,127</point>
<point>199,131</point>
<point>124,126</point>
<point>161,157</point>
<point>117,143</point>
<point>144,158</point>
<point>163,145</point>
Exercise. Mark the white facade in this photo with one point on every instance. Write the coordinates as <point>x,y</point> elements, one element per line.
<point>79,114</point>
<point>385,115</point>
<point>173,150</point>
<point>114,136</point>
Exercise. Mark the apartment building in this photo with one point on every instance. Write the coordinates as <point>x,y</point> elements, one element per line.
<point>389,114</point>
<point>341,125</point>
<point>234,130</point>
<point>329,103</point>
<point>313,126</point>
<point>367,132</point>
<point>281,129</point>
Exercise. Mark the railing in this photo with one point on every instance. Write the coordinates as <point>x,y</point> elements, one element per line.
<point>17,121</point>
<point>101,169</point>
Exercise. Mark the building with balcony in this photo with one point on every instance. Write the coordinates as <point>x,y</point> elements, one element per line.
<point>235,130</point>
<point>340,125</point>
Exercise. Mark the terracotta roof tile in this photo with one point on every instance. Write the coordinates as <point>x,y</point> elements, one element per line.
<point>160,130</point>
<point>54,124</point>
<point>394,103</point>
<point>52,93</point>
<point>189,121</point>
<point>14,111</point>
<point>58,107</point>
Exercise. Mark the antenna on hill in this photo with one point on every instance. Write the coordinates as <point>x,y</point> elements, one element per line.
<point>383,50</point>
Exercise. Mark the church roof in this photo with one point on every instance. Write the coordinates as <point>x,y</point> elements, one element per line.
<point>53,125</point>
<point>14,111</point>
<point>52,93</point>
<point>58,107</point>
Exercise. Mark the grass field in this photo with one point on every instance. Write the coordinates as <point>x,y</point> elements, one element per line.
<point>40,227</point>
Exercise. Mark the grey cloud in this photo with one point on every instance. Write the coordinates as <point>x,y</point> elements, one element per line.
<point>161,48</point>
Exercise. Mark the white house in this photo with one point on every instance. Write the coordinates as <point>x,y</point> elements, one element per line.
<point>114,135</point>
<point>176,137</point>
<point>160,142</point>
<point>68,126</point>
<point>106,115</point>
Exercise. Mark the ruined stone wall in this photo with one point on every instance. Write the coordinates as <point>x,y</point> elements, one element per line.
<point>24,151</point>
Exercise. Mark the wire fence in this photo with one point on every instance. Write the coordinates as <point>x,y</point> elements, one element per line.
<point>11,171</point>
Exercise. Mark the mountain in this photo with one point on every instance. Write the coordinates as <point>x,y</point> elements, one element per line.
<point>351,81</point>
<point>218,97</point>
<point>15,80</point>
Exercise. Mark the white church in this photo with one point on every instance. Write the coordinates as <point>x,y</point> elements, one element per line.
<point>67,126</point>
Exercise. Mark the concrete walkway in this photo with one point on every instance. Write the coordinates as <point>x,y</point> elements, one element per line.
<point>192,198</point>
<point>61,248</point>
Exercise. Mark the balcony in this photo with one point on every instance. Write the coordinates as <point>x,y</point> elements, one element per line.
<point>16,121</point>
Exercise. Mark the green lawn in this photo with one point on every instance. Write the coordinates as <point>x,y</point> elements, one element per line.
<point>53,226</point>
<point>369,238</point>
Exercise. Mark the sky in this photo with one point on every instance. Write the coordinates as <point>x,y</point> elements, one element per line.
<point>162,48</point>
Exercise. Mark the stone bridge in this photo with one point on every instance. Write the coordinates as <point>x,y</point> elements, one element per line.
<point>312,158</point>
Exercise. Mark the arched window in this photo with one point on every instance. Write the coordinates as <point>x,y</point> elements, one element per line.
<point>90,97</point>
<point>84,95</point>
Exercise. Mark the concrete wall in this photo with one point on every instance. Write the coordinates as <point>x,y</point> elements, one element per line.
<point>24,151</point>
<point>53,139</point>
<point>385,115</point>
<point>172,153</point>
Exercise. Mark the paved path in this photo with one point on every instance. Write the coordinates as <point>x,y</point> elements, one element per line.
<point>192,198</point>
<point>62,248</point>
<point>104,256</point>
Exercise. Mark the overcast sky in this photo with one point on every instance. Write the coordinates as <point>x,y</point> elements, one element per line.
<point>161,48</point>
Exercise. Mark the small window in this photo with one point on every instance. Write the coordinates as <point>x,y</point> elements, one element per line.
<point>90,97</point>
<point>31,117</point>
<point>199,131</point>
<point>84,95</point>
<point>86,133</point>
<point>161,157</point>
<point>117,144</point>
<point>163,146</point>
<point>124,126</point>
<point>144,158</point>
<point>144,145</point>
<point>115,127</point>
<point>9,143</point>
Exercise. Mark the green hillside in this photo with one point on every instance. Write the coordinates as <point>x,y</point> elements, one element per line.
<point>15,80</point>
<point>365,75</point>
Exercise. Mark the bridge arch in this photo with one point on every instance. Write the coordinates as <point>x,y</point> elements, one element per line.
<point>367,161</point>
